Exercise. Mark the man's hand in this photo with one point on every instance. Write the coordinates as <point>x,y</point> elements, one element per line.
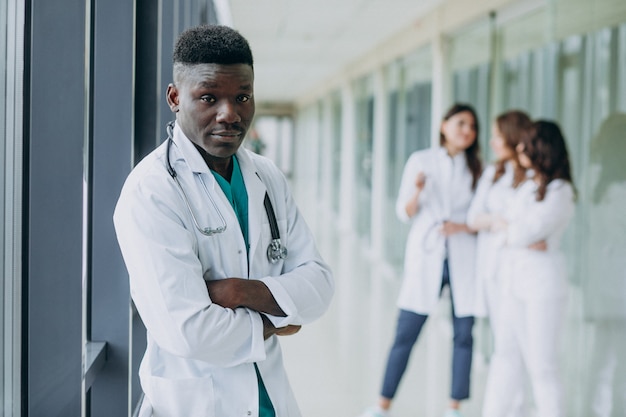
<point>269,329</point>
<point>239,292</point>
<point>288,330</point>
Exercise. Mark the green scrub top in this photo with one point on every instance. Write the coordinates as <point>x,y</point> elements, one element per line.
<point>238,197</point>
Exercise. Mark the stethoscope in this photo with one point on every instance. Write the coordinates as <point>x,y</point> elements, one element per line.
<point>275,250</point>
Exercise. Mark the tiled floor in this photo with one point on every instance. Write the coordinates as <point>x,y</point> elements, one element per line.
<point>336,364</point>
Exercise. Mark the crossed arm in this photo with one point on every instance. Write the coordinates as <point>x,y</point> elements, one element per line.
<point>253,294</point>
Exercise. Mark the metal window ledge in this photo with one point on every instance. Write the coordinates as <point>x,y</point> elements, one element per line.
<point>95,357</point>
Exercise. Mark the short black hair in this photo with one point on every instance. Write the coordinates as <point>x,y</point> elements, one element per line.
<point>212,44</point>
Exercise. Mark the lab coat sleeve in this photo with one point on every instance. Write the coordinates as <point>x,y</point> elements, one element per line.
<point>478,206</point>
<point>407,186</point>
<point>305,287</point>
<point>166,281</point>
<point>542,218</point>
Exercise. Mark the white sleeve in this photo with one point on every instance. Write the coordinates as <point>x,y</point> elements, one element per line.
<point>167,284</point>
<point>305,287</point>
<point>478,206</point>
<point>407,186</point>
<point>543,217</point>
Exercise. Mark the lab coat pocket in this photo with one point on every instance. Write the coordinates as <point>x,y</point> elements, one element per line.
<point>182,397</point>
<point>263,266</point>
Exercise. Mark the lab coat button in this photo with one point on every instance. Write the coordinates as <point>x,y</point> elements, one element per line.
<point>249,412</point>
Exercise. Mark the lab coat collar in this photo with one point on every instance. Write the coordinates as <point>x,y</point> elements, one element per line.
<point>188,152</point>
<point>443,153</point>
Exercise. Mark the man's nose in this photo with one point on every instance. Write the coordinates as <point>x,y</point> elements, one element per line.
<point>227,113</point>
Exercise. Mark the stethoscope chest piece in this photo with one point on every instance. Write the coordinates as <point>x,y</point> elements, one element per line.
<point>276,251</point>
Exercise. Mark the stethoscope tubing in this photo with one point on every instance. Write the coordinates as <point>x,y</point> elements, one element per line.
<point>275,250</point>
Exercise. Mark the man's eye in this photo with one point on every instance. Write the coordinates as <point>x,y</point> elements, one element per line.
<point>243,99</point>
<point>208,99</point>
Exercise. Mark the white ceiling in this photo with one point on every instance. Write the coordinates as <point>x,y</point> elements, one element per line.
<point>297,44</point>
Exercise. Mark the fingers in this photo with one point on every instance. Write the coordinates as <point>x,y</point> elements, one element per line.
<point>541,246</point>
<point>288,330</point>
<point>449,228</point>
<point>420,181</point>
<point>269,330</point>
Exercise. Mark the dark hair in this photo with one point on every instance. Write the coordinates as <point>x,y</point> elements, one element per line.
<point>513,125</point>
<point>472,153</point>
<point>548,155</point>
<point>212,44</point>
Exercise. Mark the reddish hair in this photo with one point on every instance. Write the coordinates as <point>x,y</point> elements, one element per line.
<point>513,125</point>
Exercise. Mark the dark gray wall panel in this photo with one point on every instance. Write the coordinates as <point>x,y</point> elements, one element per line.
<point>112,158</point>
<point>54,138</point>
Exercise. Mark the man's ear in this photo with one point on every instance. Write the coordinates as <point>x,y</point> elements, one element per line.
<point>172,97</point>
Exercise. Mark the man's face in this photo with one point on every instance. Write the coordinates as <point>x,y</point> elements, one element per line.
<point>214,106</point>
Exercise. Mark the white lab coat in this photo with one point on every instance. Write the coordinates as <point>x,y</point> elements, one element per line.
<point>199,358</point>
<point>527,273</point>
<point>490,198</point>
<point>446,196</point>
<point>534,293</point>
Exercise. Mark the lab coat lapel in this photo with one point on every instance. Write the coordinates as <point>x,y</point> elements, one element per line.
<point>188,152</point>
<point>256,193</point>
<point>441,190</point>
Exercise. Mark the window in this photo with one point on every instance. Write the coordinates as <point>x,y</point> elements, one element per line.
<point>11,70</point>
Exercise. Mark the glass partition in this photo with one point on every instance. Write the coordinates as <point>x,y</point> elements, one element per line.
<point>409,90</point>
<point>470,59</point>
<point>364,145</point>
<point>579,82</point>
<point>594,121</point>
<point>11,74</point>
<point>335,166</point>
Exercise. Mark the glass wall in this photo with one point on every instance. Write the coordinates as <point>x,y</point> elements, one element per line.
<point>335,166</point>
<point>470,59</point>
<point>593,118</point>
<point>364,145</point>
<point>578,81</point>
<point>11,67</point>
<point>3,222</point>
<point>409,99</point>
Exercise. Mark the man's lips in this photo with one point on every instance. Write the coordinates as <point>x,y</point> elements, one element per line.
<point>227,133</point>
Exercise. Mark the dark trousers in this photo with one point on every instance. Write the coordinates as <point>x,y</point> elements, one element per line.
<point>408,329</point>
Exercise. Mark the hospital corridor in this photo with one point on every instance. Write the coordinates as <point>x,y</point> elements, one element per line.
<point>336,364</point>
<point>459,165</point>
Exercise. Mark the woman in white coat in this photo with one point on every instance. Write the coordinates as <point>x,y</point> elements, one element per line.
<point>534,290</point>
<point>495,189</point>
<point>435,192</point>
